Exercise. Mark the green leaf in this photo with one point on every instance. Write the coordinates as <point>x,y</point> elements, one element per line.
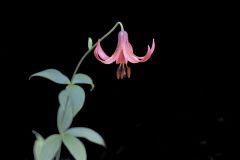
<point>90,43</point>
<point>81,78</point>
<point>50,147</point>
<point>64,118</point>
<point>62,97</point>
<point>53,75</point>
<point>38,144</point>
<point>75,147</point>
<point>65,113</point>
<point>87,133</point>
<point>77,98</point>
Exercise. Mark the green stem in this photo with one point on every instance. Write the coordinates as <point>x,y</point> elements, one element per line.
<point>64,112</point>
<point>85,55</point>
<point>78,65</point>
<point>58,154</point>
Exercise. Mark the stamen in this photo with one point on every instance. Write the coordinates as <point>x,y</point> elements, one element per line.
<point>123,71</point>
<point>118,71</point>
<point>128,72</point>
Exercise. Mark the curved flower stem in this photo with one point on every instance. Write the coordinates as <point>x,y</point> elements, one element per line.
<point>121,25</point>
<point>103,37</point>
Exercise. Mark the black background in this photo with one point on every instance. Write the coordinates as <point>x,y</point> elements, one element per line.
<point>174,106</point>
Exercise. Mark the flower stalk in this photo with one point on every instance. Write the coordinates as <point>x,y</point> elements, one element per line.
<point>102,38</point>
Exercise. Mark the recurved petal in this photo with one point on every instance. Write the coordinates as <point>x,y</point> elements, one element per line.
<point>102,57</point>
<point>99,52</point>
<point>128,53</point>
<point>149,52</point>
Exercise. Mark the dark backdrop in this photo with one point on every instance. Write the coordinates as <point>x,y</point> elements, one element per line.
<point>174,106</point>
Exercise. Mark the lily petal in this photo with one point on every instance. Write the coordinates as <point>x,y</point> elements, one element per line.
<point>121,58</point>
<point>149,52</point>
<point>100,51</point>
<point>128,53</point>
<point>127,48</point>
<point>102,57</point>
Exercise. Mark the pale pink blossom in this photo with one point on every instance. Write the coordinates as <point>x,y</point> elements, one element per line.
<point>122,55</point>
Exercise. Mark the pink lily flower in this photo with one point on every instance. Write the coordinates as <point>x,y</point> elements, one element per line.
<point>122,55</point>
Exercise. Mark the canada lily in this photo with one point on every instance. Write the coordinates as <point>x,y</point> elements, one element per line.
<point>122,55</point>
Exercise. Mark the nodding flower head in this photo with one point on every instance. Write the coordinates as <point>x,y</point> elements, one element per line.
<point>122,55</point>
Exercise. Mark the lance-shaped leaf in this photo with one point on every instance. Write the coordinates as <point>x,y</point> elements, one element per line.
<point>87,133</point>
<point>38,144</point>
<point>75,147</point>
<point>77,98</point>
<point>50,147</point>
<point>81,78</point>
<point>90,43</point>
<point>53,75</point>
<point>65,113</point>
